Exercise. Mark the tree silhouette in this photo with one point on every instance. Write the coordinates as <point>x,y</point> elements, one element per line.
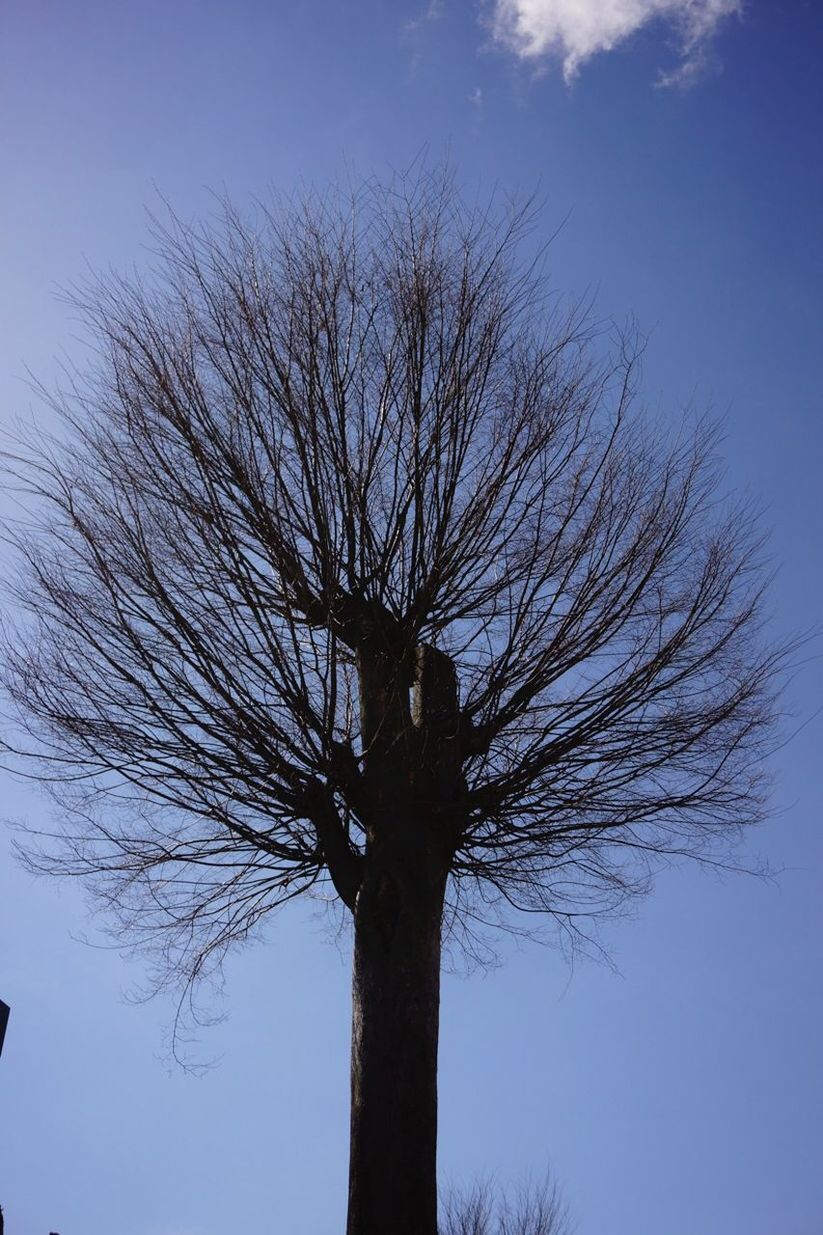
<point>352,568</point>
<point>537,1208</point>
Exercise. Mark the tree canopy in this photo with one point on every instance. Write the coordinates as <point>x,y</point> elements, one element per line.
<point>359,437</point>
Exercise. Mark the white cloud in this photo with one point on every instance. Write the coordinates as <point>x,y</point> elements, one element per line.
<point>576,30</point>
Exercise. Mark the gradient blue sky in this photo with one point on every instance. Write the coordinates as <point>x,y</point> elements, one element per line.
<point>682,1092</point>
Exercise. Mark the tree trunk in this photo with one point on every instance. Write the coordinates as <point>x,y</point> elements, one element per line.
<point>396,1006</point>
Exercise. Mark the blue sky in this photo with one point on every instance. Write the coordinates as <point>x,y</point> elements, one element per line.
<point>682,1090</point>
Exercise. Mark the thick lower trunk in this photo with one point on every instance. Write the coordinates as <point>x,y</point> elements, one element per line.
<point>396,1004</point>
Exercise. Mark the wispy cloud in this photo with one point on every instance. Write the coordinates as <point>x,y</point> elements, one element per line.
<point>430,13</point>
<point>573,31</point>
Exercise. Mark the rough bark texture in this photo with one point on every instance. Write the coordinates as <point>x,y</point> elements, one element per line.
<point>396,995</point>
<point>411,784</point>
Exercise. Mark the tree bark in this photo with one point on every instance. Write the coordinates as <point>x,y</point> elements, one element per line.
<point>396,1007</point>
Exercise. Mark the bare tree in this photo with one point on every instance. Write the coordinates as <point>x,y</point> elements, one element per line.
<point>536,1209</point>
<point>353,569</point>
